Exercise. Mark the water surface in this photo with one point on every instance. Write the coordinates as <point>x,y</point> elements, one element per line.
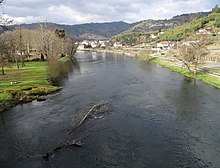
<point>155,118</point>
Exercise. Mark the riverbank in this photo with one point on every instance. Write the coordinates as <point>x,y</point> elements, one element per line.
<point>144,55</point>
<point>131,53</point>
<point>24,85</point>
<point>210,79</point>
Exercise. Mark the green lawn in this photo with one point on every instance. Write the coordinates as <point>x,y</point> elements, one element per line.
<point>4,96</point>
<point>34,74</point>
<point>30,80</point>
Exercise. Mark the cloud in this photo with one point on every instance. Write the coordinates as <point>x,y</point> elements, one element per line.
<point>83,11</point>
<point>68,14</point>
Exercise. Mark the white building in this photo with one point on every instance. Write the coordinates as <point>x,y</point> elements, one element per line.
<point>153,36</point>
<point>117,45</point>
<point>189,42</point>
<point>81,47</point>
<point>204,31</point>
<point>165,44</point>
<point>94,44</point>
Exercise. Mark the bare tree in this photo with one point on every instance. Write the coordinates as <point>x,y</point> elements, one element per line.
<point>4,51</point>
<point>46,40</point>
<point>19,45</point>
<point>4,41</point>
<point>70,47</point>
<point>2,57</point>
<point>11,38</point>
<point>190,54</point>
<point>4,21</point>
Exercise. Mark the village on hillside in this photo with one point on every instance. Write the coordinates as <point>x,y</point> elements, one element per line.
<point>154,45</point>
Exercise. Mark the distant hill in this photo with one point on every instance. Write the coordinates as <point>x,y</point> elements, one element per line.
<point>141,31</point>
<point>155,25</point>
<point>210,23</point>
<point>120,31</point>
<point>88,30</point>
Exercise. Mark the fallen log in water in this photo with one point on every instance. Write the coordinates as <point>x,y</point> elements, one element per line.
<point>46,155</point>
<point>83,120</point>
<point>98,108</point>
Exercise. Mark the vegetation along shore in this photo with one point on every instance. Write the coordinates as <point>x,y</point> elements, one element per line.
<point>191,47</point>
<point>33,64</point>
<point>34,61</point>
<point>28,84</point>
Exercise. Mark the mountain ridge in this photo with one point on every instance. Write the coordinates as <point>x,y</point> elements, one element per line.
<point>107,30</point>
<point>101,30</point>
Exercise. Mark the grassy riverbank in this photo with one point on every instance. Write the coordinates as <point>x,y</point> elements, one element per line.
<point>207,78</point>
<point>24,84</point>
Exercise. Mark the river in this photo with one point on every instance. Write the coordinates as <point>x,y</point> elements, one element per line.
<point>154,118</point>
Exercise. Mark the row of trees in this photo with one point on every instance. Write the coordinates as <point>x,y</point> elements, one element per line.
<point>52,45</point>
<point>48,44</point>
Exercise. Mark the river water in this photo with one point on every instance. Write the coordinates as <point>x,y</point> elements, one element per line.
<point>154,118</point>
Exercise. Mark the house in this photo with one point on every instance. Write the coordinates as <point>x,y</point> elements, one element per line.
<point>160,33</point>
<point>103,45</point>
<point>165,45</point>
<point>86,43</point>
<point>117,45</point>
<point>153,36</point>
<point>81,47</point>
<point>145,44</point>
<point>204,31</point>
<point>94,44</point>
<point>189,42</point>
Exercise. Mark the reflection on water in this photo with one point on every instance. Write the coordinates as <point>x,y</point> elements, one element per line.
<point>156,119</point>
<point>145,66</point>
<point>94,56</point>
<point>60,70</point>
<point>104,56</point>
<point>2,119</point>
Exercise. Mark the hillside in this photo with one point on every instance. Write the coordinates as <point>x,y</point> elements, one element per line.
<point>88,30</point>
<point>210,22</point>
<point>141,31</point>
<point>155,25</point>
<point>121,31</point>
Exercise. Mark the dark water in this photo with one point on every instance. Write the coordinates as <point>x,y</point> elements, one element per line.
<point>155,118</point>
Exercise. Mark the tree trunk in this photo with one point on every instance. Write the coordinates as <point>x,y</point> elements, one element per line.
<point>22,61</point>
<point>17,64</point>
<point>28,48</point>
<point>188,67</point>
<point>196,65</point>
<point>2,64</point>
<point>195,70</point>
<point>3,71</point>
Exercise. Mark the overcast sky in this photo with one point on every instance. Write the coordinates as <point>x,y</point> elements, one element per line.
<point>86,11</point>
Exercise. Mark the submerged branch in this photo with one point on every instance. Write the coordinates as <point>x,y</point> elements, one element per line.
<point>96,109</point>
<point>83,120</point>
<point>46,155</point>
